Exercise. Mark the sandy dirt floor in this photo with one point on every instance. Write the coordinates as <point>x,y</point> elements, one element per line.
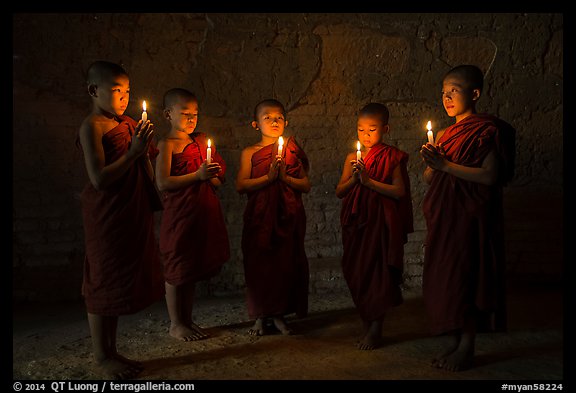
<point>52,342</point>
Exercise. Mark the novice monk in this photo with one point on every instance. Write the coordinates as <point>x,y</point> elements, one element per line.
<point>376,217</point>
<point>275,263</point>
<point>193,236</point>
<point>122,270</point>
<point>464,267</point>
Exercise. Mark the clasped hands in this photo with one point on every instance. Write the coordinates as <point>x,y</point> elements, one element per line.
<point>208,171</point>
<point>434,156</point>
<point>277,169</point>
<point>359,171</point>
<point>141,139</point>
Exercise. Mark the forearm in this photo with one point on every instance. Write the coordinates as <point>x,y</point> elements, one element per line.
<point>148,166</point>
<point>389,190</point>
<point>171,183</point>
<point>476,175</point>
<point>248,185</point>
<point>113,171</point>
<point>427,175</point>
<point>343,188</point>
<point>215,182</point>
<point>302,185</point>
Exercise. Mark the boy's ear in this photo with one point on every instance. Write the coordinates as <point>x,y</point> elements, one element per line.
<point>475,94</point>
<point>386,129</point>
<point>254,125</point>
<point>92,90</point>
<point>167,114</point>
<point>286,123</point>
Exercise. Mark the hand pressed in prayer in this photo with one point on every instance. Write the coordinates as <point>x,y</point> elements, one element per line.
<point>142,138</point>
<point>274,169</point>
<point>207,171</point>
<point>434,156</point>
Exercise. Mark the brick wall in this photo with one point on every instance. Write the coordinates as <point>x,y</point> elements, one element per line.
<point>323,67</point>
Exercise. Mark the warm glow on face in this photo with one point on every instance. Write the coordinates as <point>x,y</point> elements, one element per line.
<point>429,125</point>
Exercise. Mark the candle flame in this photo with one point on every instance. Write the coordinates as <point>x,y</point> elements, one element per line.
<point>280,141</point>
<point>209,143</point>
<point>429,125</point>
<point>144,105</point>
<point>358,145</point>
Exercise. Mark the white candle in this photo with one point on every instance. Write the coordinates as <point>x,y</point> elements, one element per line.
<point>280,145</point>
<point>358,152</point>
<point>430,134</point>
<point>209,152</point>
<point>144,114</point>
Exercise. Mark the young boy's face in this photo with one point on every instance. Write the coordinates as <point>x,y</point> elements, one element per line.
<point>370,130</point>
<point>271,121</point>
<point>113,95</point>
<point>458,99</point>
<point>183,116</point>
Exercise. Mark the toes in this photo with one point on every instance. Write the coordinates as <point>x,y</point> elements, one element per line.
<point>440,363</point>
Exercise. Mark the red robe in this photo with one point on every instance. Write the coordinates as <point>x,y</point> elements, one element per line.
<point>464,260</point>
<point>374,231</point>
<point>122,269</point>
<point>275,262</point>
<point>193,236</point>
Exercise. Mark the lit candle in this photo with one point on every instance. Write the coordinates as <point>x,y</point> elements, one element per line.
<point>209,152</point>
<point>430,134</point>
<point>358,152</point>
<point>144,114</point>
<point>280,145</point>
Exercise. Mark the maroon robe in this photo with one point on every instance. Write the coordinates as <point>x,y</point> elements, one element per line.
<point>193,236</point>
<point>275,262</point>
<point>374,231</point>
<point>464,260</point>
<point>122,269</point>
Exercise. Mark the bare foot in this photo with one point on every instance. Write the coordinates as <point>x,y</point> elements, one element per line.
<point>281,325</point>
<point>183,333</point>
<point>373,338</point>
<point>113,368</point>
<point>365,329</point>
<point>258,328</point>
<point>201,333</point>
<point>452,342</point>
<point>369,341</point>
<point>459,360</point>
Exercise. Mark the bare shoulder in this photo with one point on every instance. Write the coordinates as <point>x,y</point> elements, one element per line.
<point>165,142</point>
<point>96,126</point>
<point>91,128</point>
<point>350,156</point>
<point>87,125</point>
<point>249,151</point>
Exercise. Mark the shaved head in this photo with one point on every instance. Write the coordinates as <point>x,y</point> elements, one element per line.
<point>268,103</point>
<point>470,74</point>
<point>376,109</point>
<point>177,95</point>
<point>101,71</point>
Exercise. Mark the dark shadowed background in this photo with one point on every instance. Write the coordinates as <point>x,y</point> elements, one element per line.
<point>323,67</point>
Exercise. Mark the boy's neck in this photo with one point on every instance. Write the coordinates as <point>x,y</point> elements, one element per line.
<point>180,134</point>
<point>464,115</point>
<point>268,140</point>
<point>367,149</point>
<point>101,112</point>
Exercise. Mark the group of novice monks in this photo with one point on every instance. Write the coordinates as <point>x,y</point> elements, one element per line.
<point>126,269</point>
